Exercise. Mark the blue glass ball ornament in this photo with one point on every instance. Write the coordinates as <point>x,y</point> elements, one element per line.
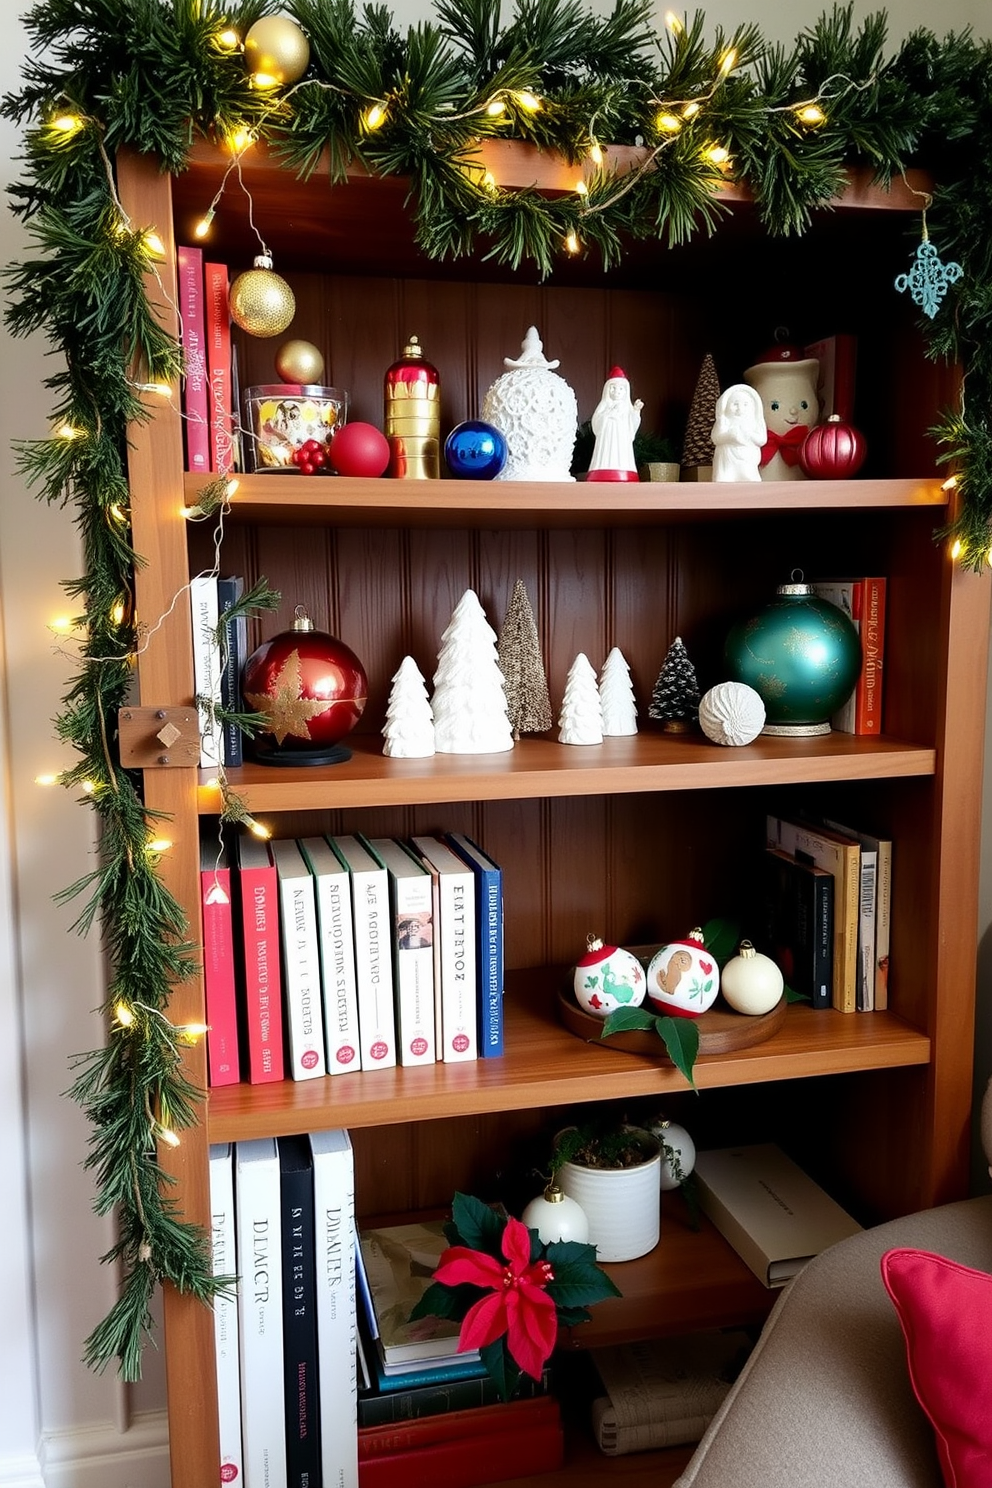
<point>475,450</point>
<point>802,656</point>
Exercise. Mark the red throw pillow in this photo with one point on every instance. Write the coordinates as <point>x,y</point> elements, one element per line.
<point>946,1314</point>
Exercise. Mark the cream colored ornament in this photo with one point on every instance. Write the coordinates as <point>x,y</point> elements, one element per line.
<point>678,1153</point>
<point>751,983</point>
<point>276,52</point>
<point>262,303</point>
<point>731,713</point>
<point>300,361</point>
<point>536,412</point>
<point>556,1217</point>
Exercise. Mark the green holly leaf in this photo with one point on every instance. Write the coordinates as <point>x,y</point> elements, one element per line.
<point>626,1018</point>
<point>681,1038</point>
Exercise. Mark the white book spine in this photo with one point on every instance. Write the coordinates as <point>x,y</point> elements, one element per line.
<point>301,971</point>
<point>414,969</point>
<point>206,665</point>
<point>455,958</point>
<point>332,884</point>
<point>337,1320</point>
<point>225,1309</point>
<point>260,1313</point>
<point>373,967</point>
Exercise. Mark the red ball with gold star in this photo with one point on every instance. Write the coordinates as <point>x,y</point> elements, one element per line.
<point>310,689</point>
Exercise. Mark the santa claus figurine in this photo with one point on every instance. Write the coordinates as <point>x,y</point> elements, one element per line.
<point>614,425</point>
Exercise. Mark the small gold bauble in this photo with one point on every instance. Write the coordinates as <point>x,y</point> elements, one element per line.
<point>300,361</point>
<point>261,302</point>
<point>276,51</point>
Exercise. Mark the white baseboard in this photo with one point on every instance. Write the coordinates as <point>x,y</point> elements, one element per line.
<point>20,1472</point>
<point>103,1457</point>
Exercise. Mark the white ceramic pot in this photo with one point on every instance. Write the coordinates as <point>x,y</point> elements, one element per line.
<point>622,1205</point>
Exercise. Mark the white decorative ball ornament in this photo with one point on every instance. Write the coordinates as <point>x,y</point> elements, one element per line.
<point>683,978</point>
<point>276,51</point>
<point>556,1217</point>
<point>752,983</point>
<point>678,1153</point>
<point>607,978</point>
<point>731,713</point>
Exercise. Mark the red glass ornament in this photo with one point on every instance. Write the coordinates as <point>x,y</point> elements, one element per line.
<point>359,449</point>
<point>833,451</point>
<point>311,689</point>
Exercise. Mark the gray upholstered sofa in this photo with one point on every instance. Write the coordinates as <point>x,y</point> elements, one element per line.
<point>825,1399</point>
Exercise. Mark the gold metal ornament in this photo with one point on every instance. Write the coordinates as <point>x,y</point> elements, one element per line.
<point>276,52</point>
<point>300,361</point>
<point>262,303</point>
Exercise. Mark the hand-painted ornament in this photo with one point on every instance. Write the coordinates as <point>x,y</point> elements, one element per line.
<point>556,1217</point>
<point>678,1153</point>
<point>833,451</point>
<point>607,978</point>
<point>261,301</point>
<point>929,279</point>
<point>276,52</point>
<point>683,978</point>
<point>359,449</point>
<point>751,982</point>
<point>300,361</point>
<point>311,690</point>
<point>731,713</point>
<point>475,450</point>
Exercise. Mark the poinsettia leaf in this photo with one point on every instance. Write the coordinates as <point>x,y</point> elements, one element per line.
<point>562,1253</point>
<point>570,1317</point>
<point>721,937</point>
<point>626,1018</point>
<point>681,1038</point>
<point>479,1226</point>
<point>500,1367</point>
<point>791,995</point>
<point>446,1301</point>
<point>581,1288</point>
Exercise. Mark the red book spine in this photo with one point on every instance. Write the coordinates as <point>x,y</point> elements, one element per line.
<point>218,328</point>
<point>195,401</point>
<point>868,715</point>
<point>456,1425</point>
<point>218,977</point>
<point>263,982</point>
<point>465,1461</point>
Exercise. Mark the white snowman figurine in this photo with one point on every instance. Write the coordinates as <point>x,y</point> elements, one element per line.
<point>785,381</point>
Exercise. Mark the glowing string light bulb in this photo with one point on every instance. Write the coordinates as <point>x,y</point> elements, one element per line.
<point>66,124</point>
<point>691,110</point>
<point>950,483</point>
<point>46,780</point>
<point>527,101</point>
<point>62,625</point>
<point>166,1135</point>
<point>68,431</point>
<point>956,549</point>
<point>375,117</point>
<point>811,114</point>
<point>240,139</point>
<point>497,107</point>
<point>117,613</point>
<point>673,22</point>
<point>572,243</point>
<point>257,829</point>
<point>668,124</point>
<point>717,154</point>
<point>595,154</point>
<point>153,244</point>
<point>202,228</point>
<point>124,1015</point>
<point>727,62</point>
<point>158,845</point>
<point>228,40</point>
<point>581,188</point>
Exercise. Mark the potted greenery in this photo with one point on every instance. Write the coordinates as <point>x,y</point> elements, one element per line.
<point>652,454</point>
<point>613,1172</point>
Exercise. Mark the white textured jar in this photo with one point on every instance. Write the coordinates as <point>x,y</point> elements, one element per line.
<point>536,412</point>
<point>622,1205</point>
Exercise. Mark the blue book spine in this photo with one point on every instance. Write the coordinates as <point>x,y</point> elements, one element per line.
<point>235,654</point>
<point>489,916</point>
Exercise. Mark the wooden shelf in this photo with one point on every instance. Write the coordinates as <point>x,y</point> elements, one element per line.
<point>545,1065</point>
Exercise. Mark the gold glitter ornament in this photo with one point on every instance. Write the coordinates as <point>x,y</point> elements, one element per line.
<point>276,52</point>
<point>300,361</point>
<point>262,303</point>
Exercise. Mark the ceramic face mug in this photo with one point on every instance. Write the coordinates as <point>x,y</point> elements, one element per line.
<point>787,390</point>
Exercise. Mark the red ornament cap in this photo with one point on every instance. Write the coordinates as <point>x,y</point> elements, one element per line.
<point>595,951</point>
<point>783,351</point>
<point>616,372</point>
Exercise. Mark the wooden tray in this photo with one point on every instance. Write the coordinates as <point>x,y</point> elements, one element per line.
<point>721,1030</point>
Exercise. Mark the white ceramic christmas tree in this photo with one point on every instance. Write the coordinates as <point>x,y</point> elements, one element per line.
<point>581,719</point>
<point>616,696</point>
<point>469,702</point>
<point>409,727</point>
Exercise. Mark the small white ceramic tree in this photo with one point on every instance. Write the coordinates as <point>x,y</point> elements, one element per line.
<point>581,718</point>
<point>469,702</point>
<point>616,696</point>
<point>409,727</point>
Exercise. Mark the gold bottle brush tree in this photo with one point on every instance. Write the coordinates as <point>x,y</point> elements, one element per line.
<point>413,416</point>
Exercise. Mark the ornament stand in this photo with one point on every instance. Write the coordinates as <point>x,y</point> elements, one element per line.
<point>334,754</point>
<point>721,1030</point>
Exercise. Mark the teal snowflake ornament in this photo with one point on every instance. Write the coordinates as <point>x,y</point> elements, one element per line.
<point>929,278</point>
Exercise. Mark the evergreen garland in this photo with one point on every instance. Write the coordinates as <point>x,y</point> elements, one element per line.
<point>155,76</point>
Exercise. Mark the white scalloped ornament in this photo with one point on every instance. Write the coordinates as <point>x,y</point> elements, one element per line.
<point>731,713</point>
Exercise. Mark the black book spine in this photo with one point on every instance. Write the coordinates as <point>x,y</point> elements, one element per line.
<point>299,1306</point>
<point>229,591</point>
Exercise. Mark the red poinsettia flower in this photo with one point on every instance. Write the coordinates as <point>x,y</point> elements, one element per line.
<point>517,1303</point>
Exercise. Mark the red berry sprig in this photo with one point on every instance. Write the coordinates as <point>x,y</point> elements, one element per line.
<point>310,457</point>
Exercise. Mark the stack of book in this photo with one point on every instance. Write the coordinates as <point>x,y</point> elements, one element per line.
<point>330,955</point>
<point>662,1392</point>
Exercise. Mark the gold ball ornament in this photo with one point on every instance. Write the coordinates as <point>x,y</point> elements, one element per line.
<point>276,51</point>
<point>300,361</point>
<point>262,303</point>
<point>751,983</point>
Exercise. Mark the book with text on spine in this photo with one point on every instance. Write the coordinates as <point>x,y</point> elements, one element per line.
<point>337,1323</point>
<point>843,859</point>
<point>258,908</point>
<point>258,1208</point>
<point>400,1261</point>
<point>220,993</point>
<point>411,899</point>
<point>299,1312</point>
<point>388,1405</point>
<point>335,927</point>
<point>863,602</point>
<point>880,848</point>
<point>192,326</point>
<point>661,1392</point>
<point>489,941</point>
<point>799,923</point>
<point>455,973</point>
<point>300,963</point>
<point>225,1310</point>
<point>372,926</point>
<point>773,1214</point>
<point>204,614</point>
<point>460,1449</point>
<point>233,655</point>
<point>218,339</point>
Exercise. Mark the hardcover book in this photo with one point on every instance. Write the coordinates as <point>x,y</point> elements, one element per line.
<point>773,1214</point>
<point>220,994</point>
<point>400,1261</point>
<point>218,337</point>
<point>663,1391</point>
<point>192,321</point>
<point>373,960</point>
<point>299,1313</point>
<point>879,851</point>
<point>459,1451</point>
<point>477,1421</point>
<point>336,933</point>
<point>258,908</point>
<point>842,858</point>
<point>455,977</point>
<point>233,655</point>
<point>837,356</point>
<point>489,941</point>
<point>389,1406</point>
<point>257,1205</point>
<point>337,1331</point>
<point>863,602</point>
<point>300,962</point>
<point>799,923</point>
<point>411,901</point>
<point>225,1310</point>
<point>206,666</point>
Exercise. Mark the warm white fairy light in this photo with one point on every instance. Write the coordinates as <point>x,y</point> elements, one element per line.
<point>595,154</point>
<point>68,431</point>
<point>673,22</point>
<point>581,188</point>
<point>950,483</point>
<point>727,62</point>
<point>67,124</point>
<point>168,1136</point>
<point>240,139</point>
<point>202,228</point>
<point>88,787</point>
<point>527,101</point>
<point>153,244</point>
<point>124,1014</point>
<point>717,154</point>
<point>668,124</point>
<point>118,513</point>
<point>158,845</point>
<point>496,108</point>
<point>46,780</point>
<point>375,117</point>
<point>264,81</point>
<point>257,828</point>
<point>691,110</point>
<point>117,613</point>
<point>228,39</point>
<point>572,243</point>
<point>811,113</point>
<point>62,625</point>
